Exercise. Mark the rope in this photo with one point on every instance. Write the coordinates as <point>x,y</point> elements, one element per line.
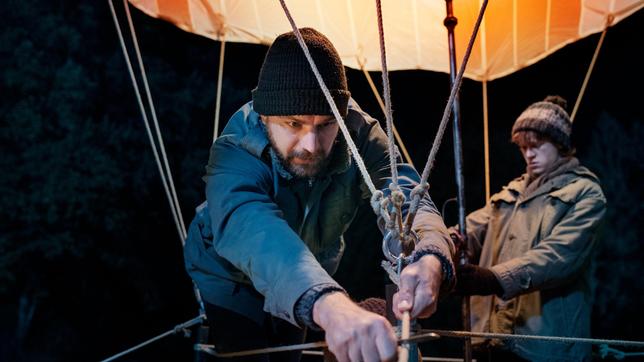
<point>441,129</point>
<point>387,94</point>
<point>609,20</point>
<point>179,328</point>
<point>397,197</point>
<point>464,334</point>
<point>423,336</point>
<point>174,206</point>
<point>220,77</point>
<point>210,349</point>
<point>486,142</point>
<point>145,119</point>
<point>334,108</point>
<point>155,121</point>
<point>382,106</point>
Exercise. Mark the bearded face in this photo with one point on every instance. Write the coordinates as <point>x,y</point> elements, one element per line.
<point>302,142</point>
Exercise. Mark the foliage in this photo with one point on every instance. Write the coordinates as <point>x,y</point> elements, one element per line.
<point>82,203</point>
<point>616,154</point>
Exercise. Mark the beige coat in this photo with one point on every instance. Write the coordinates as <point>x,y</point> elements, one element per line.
<point>539,243</point>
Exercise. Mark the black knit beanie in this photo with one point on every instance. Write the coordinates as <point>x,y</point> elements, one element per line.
<point>287,84</point>
<point>548,117</point>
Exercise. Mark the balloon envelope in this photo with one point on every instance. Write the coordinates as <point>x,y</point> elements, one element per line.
<point>513,35</point>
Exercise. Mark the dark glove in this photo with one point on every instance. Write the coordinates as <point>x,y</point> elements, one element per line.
<point>475,280</point>
<point>460,242</point>
<point>374,305</point>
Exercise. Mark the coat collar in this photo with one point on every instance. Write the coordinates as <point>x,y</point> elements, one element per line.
<point>573,171</point>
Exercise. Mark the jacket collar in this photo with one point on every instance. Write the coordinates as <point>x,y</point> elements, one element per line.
<point>572,170</point>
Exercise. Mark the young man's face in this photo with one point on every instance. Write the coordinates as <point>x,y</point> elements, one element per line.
<point>304,142</point>
<point>539,156</point>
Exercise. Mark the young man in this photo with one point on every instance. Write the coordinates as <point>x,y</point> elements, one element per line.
<point>533,244</point>
<point>281,190</point>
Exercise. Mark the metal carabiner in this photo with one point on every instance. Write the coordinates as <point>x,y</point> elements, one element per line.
<point>392,245</point>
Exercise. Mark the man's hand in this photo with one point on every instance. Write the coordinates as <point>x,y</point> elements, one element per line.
<point>420,283</point>
<point>352,333</point>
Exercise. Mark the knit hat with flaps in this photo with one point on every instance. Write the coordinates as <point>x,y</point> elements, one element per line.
<point>287,84</point>
<point>548,117</point>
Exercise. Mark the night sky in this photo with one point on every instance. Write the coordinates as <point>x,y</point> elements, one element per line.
<point>90,260</point>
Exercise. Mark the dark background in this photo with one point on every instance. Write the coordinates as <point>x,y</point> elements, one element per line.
<point>90,260</point>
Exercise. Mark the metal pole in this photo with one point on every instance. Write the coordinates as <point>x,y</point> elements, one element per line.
<point>450,23</point>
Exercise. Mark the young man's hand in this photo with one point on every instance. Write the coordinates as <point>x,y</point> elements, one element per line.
<point>420,284</point>
<point>352,333</point>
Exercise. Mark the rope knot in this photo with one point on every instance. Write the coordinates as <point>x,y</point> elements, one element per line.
<point>419,190</point>
<point>376,196</point>
<point>398,198</point>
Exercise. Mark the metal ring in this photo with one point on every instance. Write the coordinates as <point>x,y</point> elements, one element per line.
<point>391,237</point>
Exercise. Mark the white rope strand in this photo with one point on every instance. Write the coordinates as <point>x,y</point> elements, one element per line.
<point>448,107</point>
<point>220,78</point>
<point>334,108</point>
<point>145,119</point>
<point>590,70</point>
<point>156,123</point>
<point>446,115</point>
<point>382,107</point>
<point>175,213</point>
<point>387,96</point>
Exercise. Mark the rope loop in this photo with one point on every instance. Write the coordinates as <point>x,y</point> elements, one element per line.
<point>419,190</point>
<point>385,213</point>
<point>416,194</point>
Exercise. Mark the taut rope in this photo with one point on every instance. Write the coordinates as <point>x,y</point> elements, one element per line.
<point>423,185</point>
<point>334,108</point>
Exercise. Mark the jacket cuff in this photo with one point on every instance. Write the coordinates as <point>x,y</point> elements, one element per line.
<point>513,277</point>
<point>447,267</point>
<point>304,306</point>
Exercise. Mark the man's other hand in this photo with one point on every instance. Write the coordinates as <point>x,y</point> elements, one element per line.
<point>420,284</point>
<point>352,333</point>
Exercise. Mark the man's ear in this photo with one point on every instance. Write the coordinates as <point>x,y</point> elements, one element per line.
<point>264,119</point>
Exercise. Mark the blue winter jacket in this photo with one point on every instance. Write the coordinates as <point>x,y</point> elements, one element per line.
<point>265,237</point>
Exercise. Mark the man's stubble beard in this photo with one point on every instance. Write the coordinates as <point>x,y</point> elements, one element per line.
<point>302,171</point>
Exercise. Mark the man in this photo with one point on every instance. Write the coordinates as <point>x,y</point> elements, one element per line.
<point>534,243</point>
<point>281,190</point>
